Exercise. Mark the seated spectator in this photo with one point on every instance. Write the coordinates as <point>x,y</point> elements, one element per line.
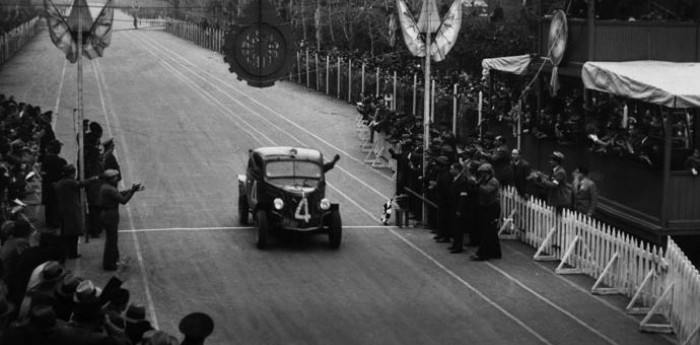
<point>693,162</point>
<point>196,327</point>
<point>114,310</point>
<point>42,328</point>
<point>64,302</point>
<point>15,245</point>
<point>136,323</point>
<point>159,338</point>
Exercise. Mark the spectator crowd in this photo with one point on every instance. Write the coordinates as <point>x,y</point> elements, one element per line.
<point>41,300</point>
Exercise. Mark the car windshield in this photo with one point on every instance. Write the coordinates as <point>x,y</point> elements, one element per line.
<point>293,173</point>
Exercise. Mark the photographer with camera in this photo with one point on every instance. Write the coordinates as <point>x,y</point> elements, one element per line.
<point>111,197</point>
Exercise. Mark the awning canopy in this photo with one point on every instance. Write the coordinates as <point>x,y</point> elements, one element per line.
<point>510,64</point>
<point>670,84</point>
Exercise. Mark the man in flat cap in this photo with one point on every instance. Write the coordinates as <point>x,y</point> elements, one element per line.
<point>110,199</point>
<point>558,193</point>
<point>196,327</point>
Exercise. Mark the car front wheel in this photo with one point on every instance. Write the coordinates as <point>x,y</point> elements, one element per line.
<point>243,210</point>
<point>335,230</point>
<point>263,229</point>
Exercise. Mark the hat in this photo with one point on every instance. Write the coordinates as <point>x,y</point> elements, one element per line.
<point>21,228</point>
<point>42,316</point>
<point>109,173</point>
<point>499,138</point>
<point>442,160</point>
<point>486,167</point>
<point>53,271</point>
<point>557,156</point>
<point>69,169</point>
<point>154,337</point>
<point>85,292</point>
<point>135,313</point>
<point>196,325</point>
<point>68,286</point>
<point>515,152</point>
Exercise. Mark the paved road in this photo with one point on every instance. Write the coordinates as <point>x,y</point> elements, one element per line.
<point>183,124</point>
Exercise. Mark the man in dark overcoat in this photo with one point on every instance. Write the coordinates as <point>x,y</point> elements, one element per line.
<point>70,218</point>
<point>51,169</point>
<point>459,202</point>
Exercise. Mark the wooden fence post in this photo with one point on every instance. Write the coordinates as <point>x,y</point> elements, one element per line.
<point>349,80</point>
<point>454,110</point>
<point>328,69</point>
<point>415,89</point>
<point>308,77</point>
<point>338,81</point>
<point>363,79</point>
<point>376,78</point>
<point>317,74</point>
<point>393,107</point>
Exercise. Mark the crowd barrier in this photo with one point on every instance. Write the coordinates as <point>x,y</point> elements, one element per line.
<point>658,283</point>
<point>13,40</point>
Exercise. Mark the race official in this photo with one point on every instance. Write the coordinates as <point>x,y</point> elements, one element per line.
<point>110,199</point>
<point>489,212</point>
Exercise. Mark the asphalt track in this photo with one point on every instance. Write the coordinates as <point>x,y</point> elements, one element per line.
<point>183,125</point>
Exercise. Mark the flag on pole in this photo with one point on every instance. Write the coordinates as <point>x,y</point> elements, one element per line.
<point>447,33</point>
<point>429,19</point>
<point>100,33</point>
<point>63,31</point>
<point>411,34</point>
<point>58,29</point>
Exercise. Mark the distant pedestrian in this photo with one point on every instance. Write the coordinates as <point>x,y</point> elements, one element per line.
<point>489,212</point>
<point>110,199</point>
<point>585,192</point>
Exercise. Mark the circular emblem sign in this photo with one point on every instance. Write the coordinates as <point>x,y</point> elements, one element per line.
<point>262,49</point>
<point>558,34</point>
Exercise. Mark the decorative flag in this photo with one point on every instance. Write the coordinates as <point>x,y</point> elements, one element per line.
<point>97,34</point>
<point>411,33</point>
<point>429,19</point>
<point>447,32</point>
<point>100,33</point>
<point>392,29</point>
<point>58,29</point>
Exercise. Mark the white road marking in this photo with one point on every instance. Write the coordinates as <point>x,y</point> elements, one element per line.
<point>240,228</point>
<point>137,247</point>
<point>428,256</point>
<point>58,97</point>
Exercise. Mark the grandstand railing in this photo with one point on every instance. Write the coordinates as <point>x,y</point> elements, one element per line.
<point>657,282</point>
<point>13,40</point>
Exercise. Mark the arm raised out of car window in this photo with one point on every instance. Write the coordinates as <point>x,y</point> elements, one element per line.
<point>330,165</point>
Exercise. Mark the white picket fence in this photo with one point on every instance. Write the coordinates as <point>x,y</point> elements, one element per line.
<point>210,38</point>
<point>13,40</point>
<point>657,283</point>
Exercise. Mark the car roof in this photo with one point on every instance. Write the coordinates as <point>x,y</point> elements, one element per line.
<point>287,152</point>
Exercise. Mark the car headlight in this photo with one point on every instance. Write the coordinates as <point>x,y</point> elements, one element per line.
<point>325,204</point>
<point>278,203</point>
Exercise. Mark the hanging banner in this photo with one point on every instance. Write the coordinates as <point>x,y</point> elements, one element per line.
<point>411,34</point>
<point>448,32</point>
<point>97,34</point>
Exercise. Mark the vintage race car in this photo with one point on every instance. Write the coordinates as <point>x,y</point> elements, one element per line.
<point>284,188</point>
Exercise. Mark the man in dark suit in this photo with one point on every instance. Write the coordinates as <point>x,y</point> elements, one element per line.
<point>458,199</point>
<point>442,195</point>
<point>51,169</point>
<point>521,172</point>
